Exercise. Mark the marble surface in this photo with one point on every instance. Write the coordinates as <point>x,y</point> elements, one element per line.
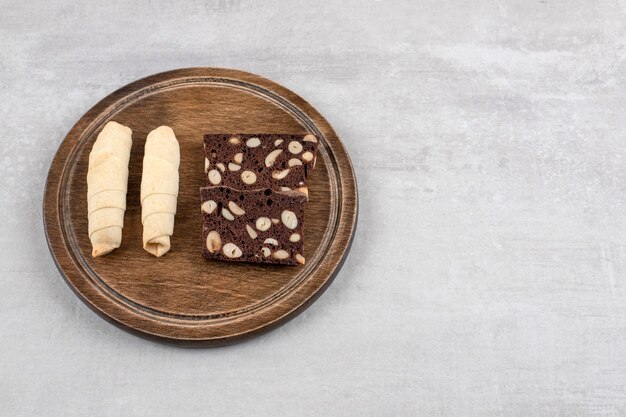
<point>488,274</point>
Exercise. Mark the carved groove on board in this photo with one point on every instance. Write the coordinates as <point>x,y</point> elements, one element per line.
<point>177,83</point>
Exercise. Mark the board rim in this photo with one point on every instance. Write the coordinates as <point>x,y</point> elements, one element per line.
<point>104,305</point>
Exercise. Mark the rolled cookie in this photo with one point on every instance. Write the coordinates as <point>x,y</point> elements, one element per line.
<point>159,189</point>
<point>107,180</point>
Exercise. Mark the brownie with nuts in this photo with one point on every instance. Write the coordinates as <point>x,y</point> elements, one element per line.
<point>258,161</point>
<point>262,225</point>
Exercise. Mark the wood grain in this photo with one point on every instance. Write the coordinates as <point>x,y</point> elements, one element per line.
<point>181,297</point>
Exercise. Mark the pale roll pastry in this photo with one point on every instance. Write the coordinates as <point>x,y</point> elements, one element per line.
<point>159,189</point>
<point>107,182</point>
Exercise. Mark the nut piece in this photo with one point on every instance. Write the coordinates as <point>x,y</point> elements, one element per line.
<point>289,219</point>
<point>300,259</point>
<point>294,237</point>
<point>248,177</point>
<point>207,164</point>
<point>227,214</point>
<point>221,166</point>
<point>295,147</point>
<point>251,232</point>
<point>271,157</point>
<point>294,161</point>
<point>234,140</point>
<point>238,157</point>
<point>253,142</point>
<point>280,254</point>
<point>271,241</point>
<point>208,206</point>
<point>310,138</point>
<point>231,250</point>
<point>275,221</point>
<point>235,208</point>
<point>307,156</point>
<point>304,190</point>
<point>233,167</point>
<point>263,223</point>
<point>215,177</point>
<point>278,142</point>
<point>266,252</point>
<point>279,175</point>
<point>285,189</point>
<point>213,242</point>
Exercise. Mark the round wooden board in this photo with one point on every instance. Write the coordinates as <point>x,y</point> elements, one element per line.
<point>181,297</point>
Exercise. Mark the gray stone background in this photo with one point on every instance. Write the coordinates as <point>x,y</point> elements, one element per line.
<point>487,277</point>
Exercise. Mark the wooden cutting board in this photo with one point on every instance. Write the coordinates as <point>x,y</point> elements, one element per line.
<point>181,297</point>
